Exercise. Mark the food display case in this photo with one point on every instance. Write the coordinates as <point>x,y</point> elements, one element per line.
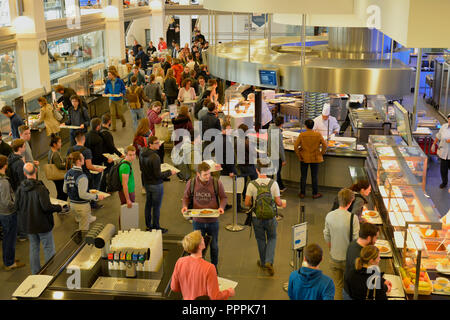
<point>391,162</point>
<point>106,264</point>
<point>418,234</point>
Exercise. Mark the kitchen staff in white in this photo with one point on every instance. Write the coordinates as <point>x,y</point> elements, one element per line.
<point>266,115</point>
<point>443,151</point>
<point>326,124</point>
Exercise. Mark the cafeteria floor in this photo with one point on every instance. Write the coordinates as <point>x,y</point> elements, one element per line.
<point>237,252</point>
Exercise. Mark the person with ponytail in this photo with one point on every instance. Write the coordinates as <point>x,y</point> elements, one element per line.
<point>362,191</point>
<point>359,282</point>
<point>54,156</point>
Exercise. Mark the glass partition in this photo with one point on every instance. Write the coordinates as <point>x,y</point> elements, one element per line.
<point>8,86</point>
<point>135,3</point>
<point>5,19</point>
<point>53,9</point>
<point>92,6</point>
<point>77,52</point>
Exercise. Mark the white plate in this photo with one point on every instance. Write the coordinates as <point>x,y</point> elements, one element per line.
<point>386,244</point>
<point>440,269</point>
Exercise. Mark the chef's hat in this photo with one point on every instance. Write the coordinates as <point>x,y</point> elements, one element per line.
<point>326,109</point>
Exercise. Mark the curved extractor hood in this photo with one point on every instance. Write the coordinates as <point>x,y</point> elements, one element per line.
<point>348,63</point>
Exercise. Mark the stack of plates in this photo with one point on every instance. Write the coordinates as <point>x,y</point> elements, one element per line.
<point>314,103</point>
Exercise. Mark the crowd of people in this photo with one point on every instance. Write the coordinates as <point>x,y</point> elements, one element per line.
<point>156,80</point>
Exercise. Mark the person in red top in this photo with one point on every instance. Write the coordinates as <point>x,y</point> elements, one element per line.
<point>177,70</point>
<point>162,45</point>
<point>194,276</point>
<point>154,117</point>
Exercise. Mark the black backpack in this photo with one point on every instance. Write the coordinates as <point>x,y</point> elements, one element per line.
<point>191,198</point>
<point>113,183</point>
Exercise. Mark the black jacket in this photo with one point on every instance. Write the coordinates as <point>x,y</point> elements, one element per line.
<point>171,87</point>
<point>65,98</point>
<point>78,117</point>
<point>15,170</point>
<point>150,164</point>
<point>95,143</point>
<point>108,142</point>
<point>210,121</point>
<point>33,207</point>
<point>5,149</point>
<point>356,284</point>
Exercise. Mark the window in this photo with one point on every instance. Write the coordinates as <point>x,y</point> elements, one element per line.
<point>75,53</point>
<point>92,6</point>
<point>5,19</point>
<point>53,9</point>
<point>8,85</point>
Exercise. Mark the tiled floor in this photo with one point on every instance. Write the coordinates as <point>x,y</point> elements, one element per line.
<point>237,251</point>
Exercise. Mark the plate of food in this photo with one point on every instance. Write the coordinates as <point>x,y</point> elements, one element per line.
<point>441,286</point>
<point>372,214</point>
<point>384,247</point>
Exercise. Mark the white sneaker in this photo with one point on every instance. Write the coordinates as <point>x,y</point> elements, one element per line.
<point>92,219</point>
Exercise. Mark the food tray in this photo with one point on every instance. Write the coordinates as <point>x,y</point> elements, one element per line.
<point>397,287</point>
<point>374,220</point>
<point>410,288</point>
<point>168,167</point>
<point>32,286</point>
<point>196,213</point>
<point>58,202</point>
<point>385,244</point>
<point>114,156</point>
<point>109,95</point>
<point>70,127</point>
<point>441,288</point>
<point>93,191</point>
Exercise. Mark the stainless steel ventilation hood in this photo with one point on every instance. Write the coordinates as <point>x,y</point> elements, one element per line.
<point>348,63</point>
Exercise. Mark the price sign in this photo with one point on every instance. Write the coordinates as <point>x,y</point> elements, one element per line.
<point>299,232</point>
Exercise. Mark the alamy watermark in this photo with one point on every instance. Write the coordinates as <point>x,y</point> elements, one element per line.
<point>231,147</point>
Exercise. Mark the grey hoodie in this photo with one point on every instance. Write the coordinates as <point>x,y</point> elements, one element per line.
<point>6,196</point>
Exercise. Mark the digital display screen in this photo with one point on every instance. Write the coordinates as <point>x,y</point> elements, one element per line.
<point>268,78</point>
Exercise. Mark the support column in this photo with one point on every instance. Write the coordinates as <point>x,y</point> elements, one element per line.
<point>158,17</point>
<point>114,32</point>
<point>185,27</point>
<point>33,67</point>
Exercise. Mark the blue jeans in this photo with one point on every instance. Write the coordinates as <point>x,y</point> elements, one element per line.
<point>35,247</point>
<point>262,229</point>
<point>9,225</point>
<point>136,115</point>
<point>154,195</point>
<point>211,229</point>
<point>314,177</point>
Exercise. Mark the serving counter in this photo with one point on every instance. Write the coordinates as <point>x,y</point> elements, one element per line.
<point>417,234</point>
<point>101,282</point>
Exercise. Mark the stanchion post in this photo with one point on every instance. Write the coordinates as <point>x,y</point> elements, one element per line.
<point>234,227</point>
